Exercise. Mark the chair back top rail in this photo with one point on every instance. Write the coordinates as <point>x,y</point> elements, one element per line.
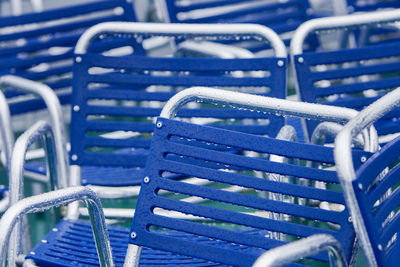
<point>180,29</point>
<point>337,22</point>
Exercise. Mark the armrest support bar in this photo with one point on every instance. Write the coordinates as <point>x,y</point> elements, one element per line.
<point>303,248</point>
<point>54,199</point>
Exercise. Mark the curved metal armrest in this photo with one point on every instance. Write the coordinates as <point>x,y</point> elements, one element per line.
<point>303,248</point>
<point>166,29</point>
<point>331,129</point>
<point>53,199</point>
<point>56,117</point>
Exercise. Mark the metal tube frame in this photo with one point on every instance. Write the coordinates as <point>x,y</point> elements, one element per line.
<point>164,29</point>
<point>39,131</point>
<point>344,163</point>
<point>55,199</point>
<point>56,118</point>
<point>303,248</point>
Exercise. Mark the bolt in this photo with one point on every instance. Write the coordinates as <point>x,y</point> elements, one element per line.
<point>159,124</point>
<point>133,235</point>
<point>350,219</point>
<point>74,157</point>
<point>300,59</point>
<point>76,108</point>
<point>360,186</point>
<point>146,180</point>
<point>363,159</point>
<point>281,63</point>
<point>78,59</point>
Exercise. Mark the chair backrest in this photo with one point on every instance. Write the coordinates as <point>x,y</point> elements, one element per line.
<point>378,176</point>
<point>241,223</point>
<point>39,46</point>
<point>348,77</point>
<point>281,16</point>
<point>129,91</point>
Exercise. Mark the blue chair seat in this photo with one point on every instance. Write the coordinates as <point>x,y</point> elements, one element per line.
<point>70,243</point>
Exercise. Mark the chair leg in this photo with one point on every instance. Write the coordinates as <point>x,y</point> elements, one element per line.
<point>132,256</point>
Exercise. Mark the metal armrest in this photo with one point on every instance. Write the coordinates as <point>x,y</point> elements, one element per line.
<point>303,248</point>
<point>39,131</point>
<point>54,199</point>
<point>56,117</point>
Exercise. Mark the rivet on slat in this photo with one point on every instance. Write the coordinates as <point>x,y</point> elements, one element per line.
<point>78,59</point>
<point>133,235</point>
<point>281,63</point>
<point>146,180</point>
<point>360,186</point>
<point>159,124</point>
<point>300,59</point>
<point>363,159</point>
<point>76,108</point>
<point>74,157</point>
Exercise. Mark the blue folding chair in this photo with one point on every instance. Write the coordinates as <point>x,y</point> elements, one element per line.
<point>71,241</point>
<point>39,46</point>
<point>113,94</point>
<point>372,191</point>
<point>352,76</point>
<point>282,17</point>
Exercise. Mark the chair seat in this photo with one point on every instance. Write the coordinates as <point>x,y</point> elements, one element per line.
<point>71,243</point>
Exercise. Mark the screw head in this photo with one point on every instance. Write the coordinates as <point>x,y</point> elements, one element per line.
<point>146,180</point>
<point>133,235</point>
<point>74,157</point>
<point>281,63</point>
<point>350,219</point>
<point>363,159</point>
<point>78,59</point>
<point>159,124</point>
<point>300,59</point>
<point>76,108</point>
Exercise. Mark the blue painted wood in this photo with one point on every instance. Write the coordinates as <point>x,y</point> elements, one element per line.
<point>378,176</point>
<point>219,166</point>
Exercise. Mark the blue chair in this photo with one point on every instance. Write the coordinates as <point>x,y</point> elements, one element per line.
<point>353,76</point>
<point>145,83</point>
<point>39,46</point>
<point>282,17</point>
<point>71,241</point>
<point>372,190</point>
